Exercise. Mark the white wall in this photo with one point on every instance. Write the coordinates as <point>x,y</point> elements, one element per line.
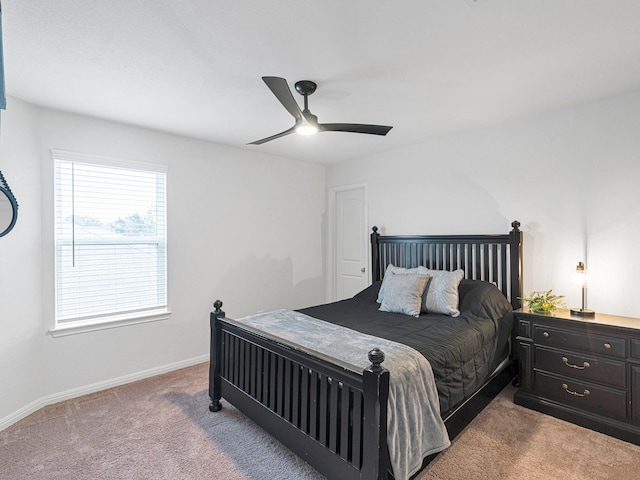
<point>243,227</point>
<point>249,228</point>
<point>570,177</point>
<point>22,329</point>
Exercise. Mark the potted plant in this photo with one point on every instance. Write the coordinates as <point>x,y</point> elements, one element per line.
<point>543,302</point>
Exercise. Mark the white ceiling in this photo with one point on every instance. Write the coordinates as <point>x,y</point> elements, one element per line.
<point>427,67</point>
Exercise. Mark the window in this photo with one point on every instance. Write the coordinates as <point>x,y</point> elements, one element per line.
<point>110,236</point>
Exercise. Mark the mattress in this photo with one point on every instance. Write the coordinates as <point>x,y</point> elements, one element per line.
<point>463,351</point>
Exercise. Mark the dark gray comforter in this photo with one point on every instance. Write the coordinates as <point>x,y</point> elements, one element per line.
<point>463,351</point>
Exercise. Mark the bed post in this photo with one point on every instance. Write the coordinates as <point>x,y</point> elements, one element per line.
<point>376,395</point>
<point>375,256</point>
<point>215,356</point>
<point>515,241</point>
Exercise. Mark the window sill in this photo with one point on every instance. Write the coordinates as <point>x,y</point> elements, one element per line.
<point>105,323</point>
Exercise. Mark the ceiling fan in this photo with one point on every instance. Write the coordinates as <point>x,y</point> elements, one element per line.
<point>306,123</point>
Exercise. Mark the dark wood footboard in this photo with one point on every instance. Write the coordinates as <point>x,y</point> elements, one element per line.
<point>331,416</point>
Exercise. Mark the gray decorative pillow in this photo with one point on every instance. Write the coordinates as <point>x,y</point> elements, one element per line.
<point>404,293</point>
<point>442,296</point>
<point>398,271</point>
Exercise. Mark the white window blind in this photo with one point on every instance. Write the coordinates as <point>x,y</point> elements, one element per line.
<point>111,255</point>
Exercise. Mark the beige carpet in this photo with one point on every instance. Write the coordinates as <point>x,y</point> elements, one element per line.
<point>160,428</point>
<point>506,441</point>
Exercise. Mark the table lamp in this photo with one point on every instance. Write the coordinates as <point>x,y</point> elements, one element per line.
<point>581,279</point>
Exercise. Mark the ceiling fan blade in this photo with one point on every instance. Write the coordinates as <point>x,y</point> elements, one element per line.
<point>281,90</point>
<point>273,137</point>
<point>355,128</point>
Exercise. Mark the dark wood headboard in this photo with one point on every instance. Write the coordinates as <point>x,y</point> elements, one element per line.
<point>493,258</point>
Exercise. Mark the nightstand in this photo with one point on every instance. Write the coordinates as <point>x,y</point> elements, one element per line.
<point>585,370</point>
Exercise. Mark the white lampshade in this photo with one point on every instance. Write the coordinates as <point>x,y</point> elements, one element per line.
<point>580,276</point>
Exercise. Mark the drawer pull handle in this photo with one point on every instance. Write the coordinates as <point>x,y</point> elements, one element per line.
<point>571,365</point>
<point>607,345</point>
<point>571,392</point>
<point>545,334</point>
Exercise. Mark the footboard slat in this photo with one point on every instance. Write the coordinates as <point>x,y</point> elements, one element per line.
<point>304,400</point>
<point>296,395</point>
<point>224,353</point>
<point>235,359</point>
<point>356,429</point>
<point>287,390</point>
<point>322,414</point>
<point>259,386</point>
<point>265,377</point>
<point>346,405</point>
<point>334,411</point>
<point>279,385</point>
<point>313,405</point>
<point>273,366</point>
<point>252,372</point>
<point>242,367</point>
<point>246,367</point>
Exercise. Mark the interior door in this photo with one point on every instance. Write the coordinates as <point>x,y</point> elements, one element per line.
<point>351,245</point>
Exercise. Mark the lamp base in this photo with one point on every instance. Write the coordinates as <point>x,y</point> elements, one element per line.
<point>582,312</point>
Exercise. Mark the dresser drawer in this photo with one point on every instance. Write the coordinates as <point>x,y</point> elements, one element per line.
<point>580,366</point>
<point>608,402</point>
<point>580,340</point>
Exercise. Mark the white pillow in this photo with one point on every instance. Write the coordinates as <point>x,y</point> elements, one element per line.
<point>391,269</point>
<point>442,296</point>
<point>404,293</point>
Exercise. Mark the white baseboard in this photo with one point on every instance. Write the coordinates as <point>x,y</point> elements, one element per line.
<point>95,387</point>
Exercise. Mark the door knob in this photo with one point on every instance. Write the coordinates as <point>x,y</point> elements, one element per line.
<point>362,269</point>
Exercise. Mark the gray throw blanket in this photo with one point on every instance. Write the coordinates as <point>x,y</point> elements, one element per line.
<point>414,426</point>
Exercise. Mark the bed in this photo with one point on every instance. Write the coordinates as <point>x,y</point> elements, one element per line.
<point>335,416</point>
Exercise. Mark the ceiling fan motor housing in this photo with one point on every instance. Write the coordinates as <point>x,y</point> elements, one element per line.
<point>305,87</point>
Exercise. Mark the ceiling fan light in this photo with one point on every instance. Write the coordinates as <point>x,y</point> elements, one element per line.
<point>306,130</point>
